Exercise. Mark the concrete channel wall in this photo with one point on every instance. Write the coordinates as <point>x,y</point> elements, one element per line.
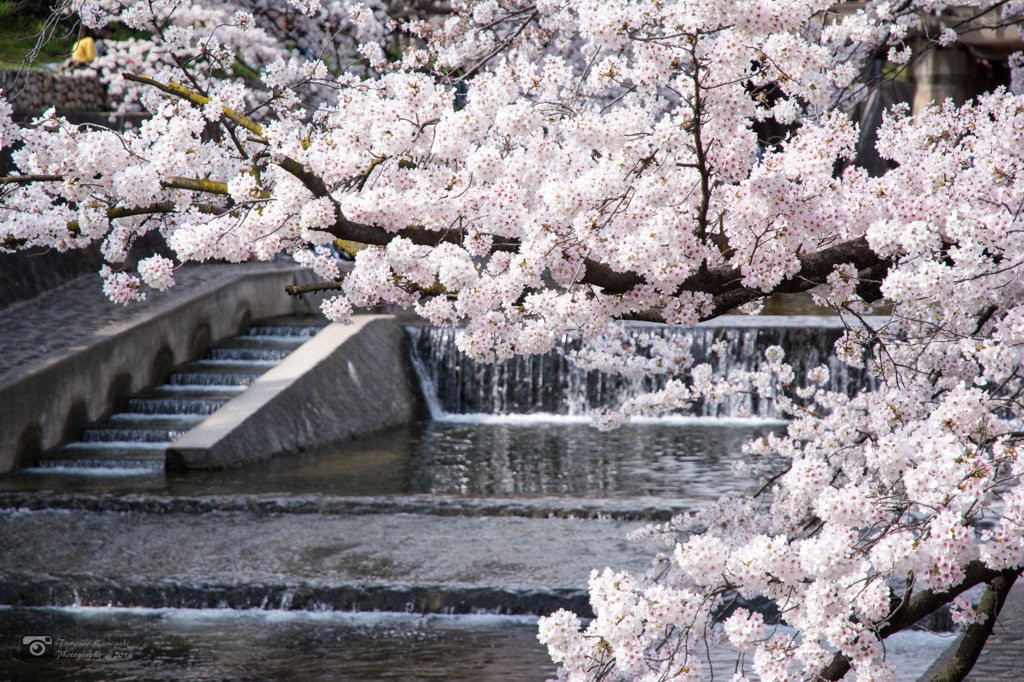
<point>41,406</point>
<point>347,381</point>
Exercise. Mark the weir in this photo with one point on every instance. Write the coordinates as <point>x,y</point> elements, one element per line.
<point>550,383</point>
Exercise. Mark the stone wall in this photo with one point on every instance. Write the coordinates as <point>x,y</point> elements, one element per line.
<point>36,90</point>
<point>26,274</point>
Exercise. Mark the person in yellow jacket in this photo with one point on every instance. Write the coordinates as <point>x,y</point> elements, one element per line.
<point>84,52</point>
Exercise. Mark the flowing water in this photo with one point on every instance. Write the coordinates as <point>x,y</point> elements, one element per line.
<point>223,644</point>
<point>551,384</point>
<point>422,553</point>
<point>673,464</point>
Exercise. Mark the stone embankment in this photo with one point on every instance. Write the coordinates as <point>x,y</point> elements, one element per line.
<point>37,90</point>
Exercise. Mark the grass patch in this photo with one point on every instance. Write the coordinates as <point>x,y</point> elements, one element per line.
<point>21,24</point>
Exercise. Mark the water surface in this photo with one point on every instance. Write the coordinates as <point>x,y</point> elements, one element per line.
<point>477,456</point>
<point>221,644</point>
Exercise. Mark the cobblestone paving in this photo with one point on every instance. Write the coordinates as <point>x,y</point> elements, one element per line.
<point>1002,660</point>
<point>52,324</point>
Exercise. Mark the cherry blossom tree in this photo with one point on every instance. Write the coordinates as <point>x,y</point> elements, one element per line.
<point>524,169</point>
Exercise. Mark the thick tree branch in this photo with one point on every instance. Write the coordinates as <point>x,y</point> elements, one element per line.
<point>311,181</point>
<point>920,605</point>
<point>300,289</point>
<point>157,207</point>
<point>29,179</point>
<point>373,235</point>
<point>977,634</point>
<point>869,285</point>
<point>196,185</point>
<point>724,283</point>
<point>149,209</point>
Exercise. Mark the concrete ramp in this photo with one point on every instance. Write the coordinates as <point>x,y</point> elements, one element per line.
<point>345,382</point>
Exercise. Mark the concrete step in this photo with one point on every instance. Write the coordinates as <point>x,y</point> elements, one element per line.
<point>388,554</point>
<point>132,434</point>
<point>301,326</point>
<point>111,456</point>
<point>154,418</point>
<point>625,509</point>
<point>167,404</point>
<point>249,340</point>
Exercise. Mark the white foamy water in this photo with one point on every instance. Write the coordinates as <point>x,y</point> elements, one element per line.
<point>118,444</point>
<point>185,419</point>
<point>157,468</point>
<point>539,418</point>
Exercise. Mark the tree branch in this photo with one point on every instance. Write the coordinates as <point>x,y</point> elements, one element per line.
<point>723,282</point>
<point>975,636</point>
<point>917,607</point>
<point>300,289</point>
<point>196,185</point>
<point>126,212</point>
<point>311,181</point>
<point>199,100</point>
<point>814,269</point>
<point>29,179</point>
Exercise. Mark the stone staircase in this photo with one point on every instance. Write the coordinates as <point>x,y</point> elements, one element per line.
<point>137,436</point>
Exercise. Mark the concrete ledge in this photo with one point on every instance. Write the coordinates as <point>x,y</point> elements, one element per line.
<point>40,407</point>
<point>347,381</point>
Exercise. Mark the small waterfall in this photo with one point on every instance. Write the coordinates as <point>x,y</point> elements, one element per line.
<point>123,435</point>
<point>209,377</point>
<point>550,383</point>
<point>176,405</point>
<point>301,330</point>
<point>249,354</point>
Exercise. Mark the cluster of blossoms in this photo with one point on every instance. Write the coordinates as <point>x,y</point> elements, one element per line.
<point>157,272</point>
<point>535,169</point>
<point>120,287</point>
<point>226,36</point>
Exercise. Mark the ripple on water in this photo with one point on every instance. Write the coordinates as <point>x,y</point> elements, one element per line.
<point>171,644</point>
